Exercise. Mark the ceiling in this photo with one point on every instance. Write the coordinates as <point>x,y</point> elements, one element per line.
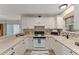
<point>16,10</point>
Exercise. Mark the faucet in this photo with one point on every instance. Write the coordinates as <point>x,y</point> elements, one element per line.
<point>67,36</point>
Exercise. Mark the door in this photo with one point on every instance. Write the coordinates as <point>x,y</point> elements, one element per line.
<point>1,29</point>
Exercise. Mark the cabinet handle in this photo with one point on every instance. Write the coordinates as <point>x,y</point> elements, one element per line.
<point>55,40</point>
<point>12,53</point>
<point>12,48</point>
<point>70,51</point>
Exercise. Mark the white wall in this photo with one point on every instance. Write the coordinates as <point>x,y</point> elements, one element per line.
<point>30,22</point>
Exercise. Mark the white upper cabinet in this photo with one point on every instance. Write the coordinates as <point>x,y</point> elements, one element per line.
<point>27,23</point>
<point>60,22</point>
<point>50,22</point>
<point>30,22</point>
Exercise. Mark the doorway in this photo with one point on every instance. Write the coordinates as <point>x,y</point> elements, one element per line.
<point>1,29</point>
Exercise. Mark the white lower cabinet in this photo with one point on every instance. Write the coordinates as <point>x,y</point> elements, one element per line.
<point>57,48</point>
<point>53,43</point>
<point>60,49</point>
<point>47,43</point>
<point>28,43</point>
<point>66,51</point>
<point>19,49</point>
<point>22,48</point>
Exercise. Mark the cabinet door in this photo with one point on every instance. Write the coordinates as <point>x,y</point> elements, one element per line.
<point>61,49</point>
<point>22,48</point>
<point>59,22</point>
<point>50,43</point>
<point>47,43</point>
<point>66,51</point>
<point>27,23</point>
<point>28,43</point>
<point>19,49</point>
<point>58,48</point>
<point>53,43</point>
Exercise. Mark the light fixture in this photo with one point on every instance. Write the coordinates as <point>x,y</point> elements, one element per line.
<point>63,6</point>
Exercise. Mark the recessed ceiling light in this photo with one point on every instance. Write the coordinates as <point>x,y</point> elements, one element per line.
<point>63,6</point>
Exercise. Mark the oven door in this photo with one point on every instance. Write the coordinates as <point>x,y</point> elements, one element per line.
<point>39,43</point>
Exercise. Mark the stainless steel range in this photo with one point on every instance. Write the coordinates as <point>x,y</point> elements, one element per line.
<point>39,41</point>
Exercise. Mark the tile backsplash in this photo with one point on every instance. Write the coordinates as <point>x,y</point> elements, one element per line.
<point>71,34</point>
<point>31,31</point>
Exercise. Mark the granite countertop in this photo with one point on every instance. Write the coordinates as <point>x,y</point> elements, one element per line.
<point>8,43</point>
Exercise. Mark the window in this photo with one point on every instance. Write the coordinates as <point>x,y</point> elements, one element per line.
<point>69,23</point>
<point>13,29</point>
<point>16,28</point>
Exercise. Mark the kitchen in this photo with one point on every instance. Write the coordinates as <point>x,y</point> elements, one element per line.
<point>39,29</point>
